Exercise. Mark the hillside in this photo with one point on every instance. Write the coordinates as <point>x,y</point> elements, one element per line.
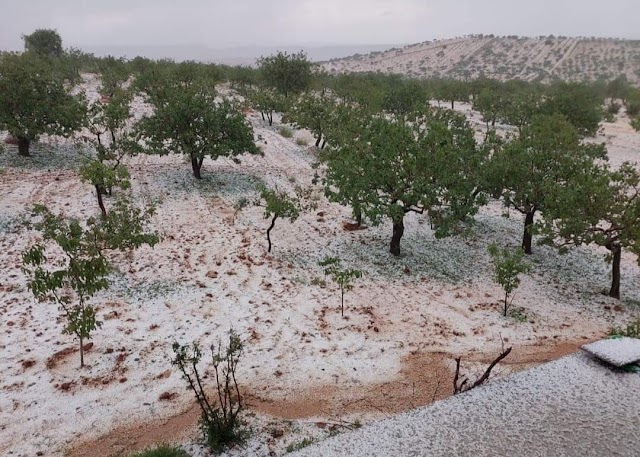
<point>239,55</point>
<point>504,58</point>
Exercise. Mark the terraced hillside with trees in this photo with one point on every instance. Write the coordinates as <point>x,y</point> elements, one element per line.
<point>543,58</point>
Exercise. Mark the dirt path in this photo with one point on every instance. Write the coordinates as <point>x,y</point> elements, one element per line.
<point>412,389</point>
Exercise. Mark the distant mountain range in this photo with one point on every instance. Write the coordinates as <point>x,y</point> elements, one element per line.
<point>242,55</point>
<point>542,58</point>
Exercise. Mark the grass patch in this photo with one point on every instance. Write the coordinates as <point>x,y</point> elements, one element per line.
<point>302,142</point>
<point>151,290</point>
<point>214,182</point>
<point>632,330</point>
<point>317,281</point>
<point>228,184</point>
<point>299,445</point>
<point>44,156</point>
<point>285,131</point>
<point>162,451</point>
<point>519,315</point>
<point>12,224</point>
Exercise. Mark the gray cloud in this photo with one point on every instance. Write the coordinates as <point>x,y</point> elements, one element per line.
<point>223,24</point>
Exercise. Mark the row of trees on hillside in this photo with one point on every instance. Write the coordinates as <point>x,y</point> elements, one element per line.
<point>386,152</point>
<point>429,162</point>
<point>36,98</point>
<point>46,73</point>
<point>411,158</point>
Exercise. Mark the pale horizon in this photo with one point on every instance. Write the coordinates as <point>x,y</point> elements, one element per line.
<point>308,24</point>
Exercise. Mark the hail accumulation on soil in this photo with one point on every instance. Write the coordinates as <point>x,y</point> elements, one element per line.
<point>211,272</point>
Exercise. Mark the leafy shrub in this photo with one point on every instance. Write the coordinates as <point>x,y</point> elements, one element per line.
<point>285,131</point>
<point>316,281</point>
<point>632,330</point>
<point>162,451</point>
<point>507,266</point>
<point>278,204</point>
<point>608,117</point>
<point>519,315</point>
<point>221,422</point>
<point>633,108</point>
<point>343,277</point>
<point>299,445</point>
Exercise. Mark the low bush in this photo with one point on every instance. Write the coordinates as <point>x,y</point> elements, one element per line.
<point>285,131</point>
<point>633,109</point>
<point>221,423</point>
<point>299,445</point>
<point>632,330</point>
<point>508,264</point>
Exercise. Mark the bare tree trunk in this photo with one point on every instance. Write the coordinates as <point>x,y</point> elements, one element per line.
<point>81,353</point>
<point>357,212</point>
<point>527,236</point>
<point>398,231</point>
<point>99,192</point>
<point>273,223</point>
<point>23,146</point>
<point>196,166</point>
<point>616,250</point>
<point>342,300</point>
<point>506,303</point>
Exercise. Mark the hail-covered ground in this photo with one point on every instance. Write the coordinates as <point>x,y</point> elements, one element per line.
<point>307,372</point>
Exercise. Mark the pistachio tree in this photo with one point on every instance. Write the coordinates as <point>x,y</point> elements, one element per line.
<point>46,42</point>
<point>450,90</point>
<point>312,112</point>
<point>404,97</point>
<point>71,281</point>
<point>388,166</point>
<point>265,100</point>
<point>547,155</point>
<point>508,265</point>
<point>601,207</point>
<point>580,103</point>
<point>343,277</point>
<point>287,74</point>
<point>34,99</point>
<point>189,120</point>
<point>278,204</point>
<point>114,74</point>
<point>110,137</point>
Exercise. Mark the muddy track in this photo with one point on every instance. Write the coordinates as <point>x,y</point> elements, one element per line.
<point>424,378</point>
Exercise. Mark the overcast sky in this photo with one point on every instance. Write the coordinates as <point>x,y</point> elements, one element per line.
<point>229,23</point>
